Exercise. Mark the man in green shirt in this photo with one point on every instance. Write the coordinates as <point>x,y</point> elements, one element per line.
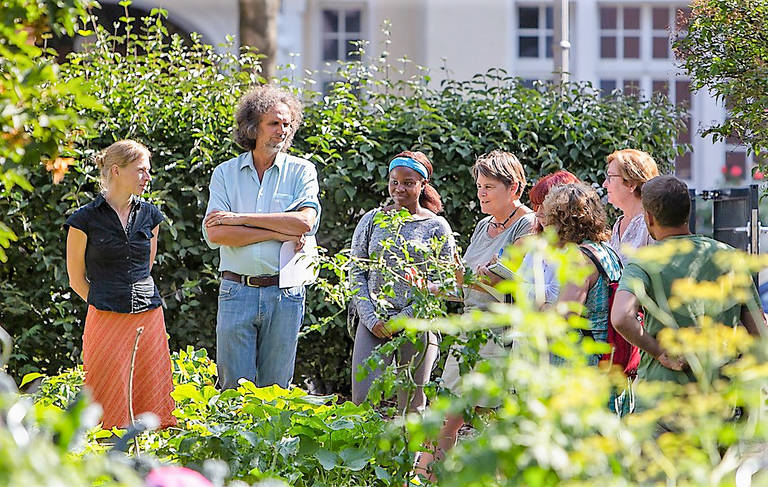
<point>689,260</point>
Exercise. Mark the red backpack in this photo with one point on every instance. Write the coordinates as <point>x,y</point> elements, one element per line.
<point>624,353</point>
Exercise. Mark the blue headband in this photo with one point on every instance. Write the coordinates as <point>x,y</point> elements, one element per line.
<point>411,164</point>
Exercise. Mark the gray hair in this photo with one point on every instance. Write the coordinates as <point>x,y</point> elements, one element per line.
<point>252,107</point>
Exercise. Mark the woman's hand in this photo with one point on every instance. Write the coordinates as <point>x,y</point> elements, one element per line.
<point>380,330</point>
<point>487,276</point>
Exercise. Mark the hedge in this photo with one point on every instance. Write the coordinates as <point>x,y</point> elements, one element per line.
<point>179,100</point>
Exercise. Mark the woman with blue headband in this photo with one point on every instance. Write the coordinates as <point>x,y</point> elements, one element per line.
<point>409,188</point>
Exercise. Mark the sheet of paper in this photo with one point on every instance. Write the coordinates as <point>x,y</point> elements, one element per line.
<point>298,268</point>
<point>502,271</point>
<point>492,291</point>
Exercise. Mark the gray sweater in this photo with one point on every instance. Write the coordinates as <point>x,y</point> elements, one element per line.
<point>483,248</point>
<point>416,233</point>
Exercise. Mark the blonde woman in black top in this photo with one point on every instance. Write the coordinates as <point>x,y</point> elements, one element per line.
<point>111,245</point>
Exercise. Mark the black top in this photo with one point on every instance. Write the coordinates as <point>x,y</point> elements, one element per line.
<point>117,260</point>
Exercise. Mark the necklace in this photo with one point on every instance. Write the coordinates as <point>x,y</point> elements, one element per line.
<point>504,223</point>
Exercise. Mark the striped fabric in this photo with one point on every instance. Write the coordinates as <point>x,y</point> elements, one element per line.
<point>107,348</point>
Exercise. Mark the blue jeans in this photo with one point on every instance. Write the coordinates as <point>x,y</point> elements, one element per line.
<point>257,331</point>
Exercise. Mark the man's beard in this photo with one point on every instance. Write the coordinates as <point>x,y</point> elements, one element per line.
<point>273,148</point>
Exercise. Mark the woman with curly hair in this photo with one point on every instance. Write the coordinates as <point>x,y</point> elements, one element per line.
<point>577,216</point>
<point>544,289</point>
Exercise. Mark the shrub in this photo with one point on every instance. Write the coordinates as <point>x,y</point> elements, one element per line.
<point>722,47</point>
<point>553,426</point>
<point>35,119</point>
<point>178,99</point>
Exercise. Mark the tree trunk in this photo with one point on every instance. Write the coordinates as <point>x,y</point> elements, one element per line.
<point>258,29</point>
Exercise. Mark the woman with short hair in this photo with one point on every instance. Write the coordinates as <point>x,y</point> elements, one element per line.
<point>111,245</point>
<point>627,170</point>
<point>409,188</point>
<point>500,181</point>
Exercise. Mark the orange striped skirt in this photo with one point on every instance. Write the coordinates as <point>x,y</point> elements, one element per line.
<point>107,348</point>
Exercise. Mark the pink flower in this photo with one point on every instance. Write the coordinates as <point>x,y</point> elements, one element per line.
<point>758,175</point>
<point>175,477</point>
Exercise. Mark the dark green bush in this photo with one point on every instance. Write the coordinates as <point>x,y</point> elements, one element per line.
<point>179,100</point>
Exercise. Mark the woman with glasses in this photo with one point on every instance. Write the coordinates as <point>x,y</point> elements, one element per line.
<point>627,171</point>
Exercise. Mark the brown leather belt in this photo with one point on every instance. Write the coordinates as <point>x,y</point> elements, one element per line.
<point>252,281</point>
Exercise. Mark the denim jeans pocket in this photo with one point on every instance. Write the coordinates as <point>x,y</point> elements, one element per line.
<point>295,293</point>
<point>228,289</point>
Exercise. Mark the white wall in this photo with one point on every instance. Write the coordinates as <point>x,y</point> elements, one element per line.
<point>467,36</point>
<point>214,20</point>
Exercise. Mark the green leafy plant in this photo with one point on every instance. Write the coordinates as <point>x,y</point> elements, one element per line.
<point>179,98</point>
<point>553,426</point>
<point>724,49</point>
<point>38,120</point>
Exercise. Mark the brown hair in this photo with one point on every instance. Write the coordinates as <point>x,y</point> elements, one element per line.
<point>254,104</point>
<point>635,167</point>
<point>120,154</point>
<point>501,166</point>
<point>576,213</point>
<point>429,198</point>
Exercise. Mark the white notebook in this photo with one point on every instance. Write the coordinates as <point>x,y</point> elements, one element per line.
<point>298,268</point>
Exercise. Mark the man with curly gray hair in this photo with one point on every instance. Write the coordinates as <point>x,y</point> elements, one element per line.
<point>258,200</point>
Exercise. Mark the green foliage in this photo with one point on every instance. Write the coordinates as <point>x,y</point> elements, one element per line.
<point>271,432</point>
<point>38,111</point>
<point>262,433</point>
<point>37,442</point>
<point>179,100</point>
<point>724,49</point>
<point>553,426</point>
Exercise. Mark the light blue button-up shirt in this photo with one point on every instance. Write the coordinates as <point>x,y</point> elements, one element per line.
<point>288,185</point>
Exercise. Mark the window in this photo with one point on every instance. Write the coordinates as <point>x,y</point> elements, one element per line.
<point>662,20</point>
<point>341,30</point>
<point>739,166</point>
<point>534,33</point>
<point>660,36</point>
<point>678,92</point>
<point>627,31</point>
<point>636,58</point>
<point>630,86</point>
<point>620,32</point>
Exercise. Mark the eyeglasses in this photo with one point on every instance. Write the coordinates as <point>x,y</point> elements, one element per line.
<point>609,176</point>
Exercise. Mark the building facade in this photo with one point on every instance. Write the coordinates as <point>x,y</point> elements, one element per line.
<point>616,44</point>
